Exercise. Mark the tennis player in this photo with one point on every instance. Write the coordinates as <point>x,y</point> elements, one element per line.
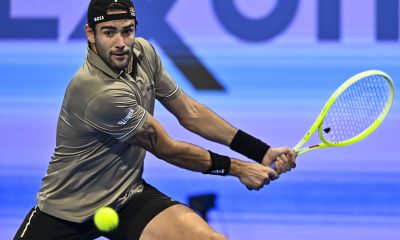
<point>104,129</point>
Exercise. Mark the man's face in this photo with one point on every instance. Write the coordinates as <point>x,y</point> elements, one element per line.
<point>114,42</point>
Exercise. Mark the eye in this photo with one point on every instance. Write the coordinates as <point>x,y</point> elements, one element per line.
<point>128,31</point>
<point>108,33</point>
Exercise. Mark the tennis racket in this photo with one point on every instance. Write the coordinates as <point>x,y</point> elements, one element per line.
<point>353,112</point>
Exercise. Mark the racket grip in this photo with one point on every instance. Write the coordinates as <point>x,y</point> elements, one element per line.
<point>272,165</point>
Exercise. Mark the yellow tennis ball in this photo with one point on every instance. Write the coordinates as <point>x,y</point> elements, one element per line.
<point>106,219</point>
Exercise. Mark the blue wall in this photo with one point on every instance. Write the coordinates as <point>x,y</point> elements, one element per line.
<point>278,62</point>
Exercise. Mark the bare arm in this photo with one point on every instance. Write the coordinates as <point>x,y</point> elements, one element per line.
<point>204,122</point>
<point>201,120</point>
<point>153,137</point>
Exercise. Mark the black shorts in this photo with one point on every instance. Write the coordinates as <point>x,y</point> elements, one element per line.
<point>133,218</point>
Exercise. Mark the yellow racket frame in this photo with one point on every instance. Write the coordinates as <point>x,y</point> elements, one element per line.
<point>318,123</point>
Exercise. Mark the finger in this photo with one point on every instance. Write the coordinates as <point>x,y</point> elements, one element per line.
<point>278,165</point>
<point>256,188</point>
<point>266,181</point>
<point>292,156</point>
<point>288,162</point>
<point>265,177</point>
<point>284,150</point>
<point>272,175</point>
<point>285,163</point>
<point>252,188</point>
<point>260,182</point>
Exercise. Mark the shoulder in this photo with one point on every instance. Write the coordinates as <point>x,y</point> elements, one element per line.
<point>85,82</point>
<point>148,55</point>
<point>90,85</point>
<point>144,45</point>
<point>146,49</point>
<point>110,103</point>
<point>112,96</point>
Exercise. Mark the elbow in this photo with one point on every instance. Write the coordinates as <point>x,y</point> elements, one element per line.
<point>191,124</point>
<point>191,118</point>
<point>187,123</point>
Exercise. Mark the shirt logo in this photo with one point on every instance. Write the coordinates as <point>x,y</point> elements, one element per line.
<point>126,118</point>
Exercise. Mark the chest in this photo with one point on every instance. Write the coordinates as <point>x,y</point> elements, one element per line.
<point>143,86</point>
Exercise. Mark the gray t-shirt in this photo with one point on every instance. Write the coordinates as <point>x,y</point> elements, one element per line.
<point>93,165</point>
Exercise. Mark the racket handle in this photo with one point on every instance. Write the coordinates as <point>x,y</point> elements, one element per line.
<point>272,165</point>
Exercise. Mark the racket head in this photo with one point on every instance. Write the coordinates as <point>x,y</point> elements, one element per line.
<point>356,108</point>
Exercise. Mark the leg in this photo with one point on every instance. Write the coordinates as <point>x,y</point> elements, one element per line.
<point>39,225</point>
<point>153,215</point>
<point>179,222</point>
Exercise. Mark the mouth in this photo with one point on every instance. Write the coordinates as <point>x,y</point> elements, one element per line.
<point>120,55</point>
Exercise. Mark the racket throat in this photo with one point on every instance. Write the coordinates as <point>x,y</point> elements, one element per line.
<point>314,146</point>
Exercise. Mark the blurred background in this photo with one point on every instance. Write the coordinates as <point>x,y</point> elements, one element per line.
<point>266,66</point>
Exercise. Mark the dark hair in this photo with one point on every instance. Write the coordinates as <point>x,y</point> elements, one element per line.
<point>113,6</point>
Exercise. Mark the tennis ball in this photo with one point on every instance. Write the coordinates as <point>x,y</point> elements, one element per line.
<point>106,219</point>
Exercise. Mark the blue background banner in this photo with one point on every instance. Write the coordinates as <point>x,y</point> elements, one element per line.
<point>265,66</point>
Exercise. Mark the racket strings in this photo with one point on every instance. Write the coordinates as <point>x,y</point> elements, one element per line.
<point>356,109</point>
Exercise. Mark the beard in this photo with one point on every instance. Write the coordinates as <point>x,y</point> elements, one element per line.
<point>117,60</point>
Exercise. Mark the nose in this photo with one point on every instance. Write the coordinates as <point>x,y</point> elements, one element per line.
<point>120,43</point>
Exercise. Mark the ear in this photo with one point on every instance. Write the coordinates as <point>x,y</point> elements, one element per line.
<point>89,34</point>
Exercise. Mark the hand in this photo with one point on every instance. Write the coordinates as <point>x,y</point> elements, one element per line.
<point>284,159</point>
<point>253,175</point>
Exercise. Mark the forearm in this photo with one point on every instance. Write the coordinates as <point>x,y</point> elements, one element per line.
<point>209,125</point>
<point>153,137</point>
<point>203,121</point>
<point>192,157</point>
<point>187,156</point>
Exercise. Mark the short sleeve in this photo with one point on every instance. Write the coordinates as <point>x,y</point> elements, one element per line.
<point>166,88</point>
<point>116,113</point>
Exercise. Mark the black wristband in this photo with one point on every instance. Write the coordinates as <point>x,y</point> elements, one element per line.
<point>220,165</point>
<point>249,146</point>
